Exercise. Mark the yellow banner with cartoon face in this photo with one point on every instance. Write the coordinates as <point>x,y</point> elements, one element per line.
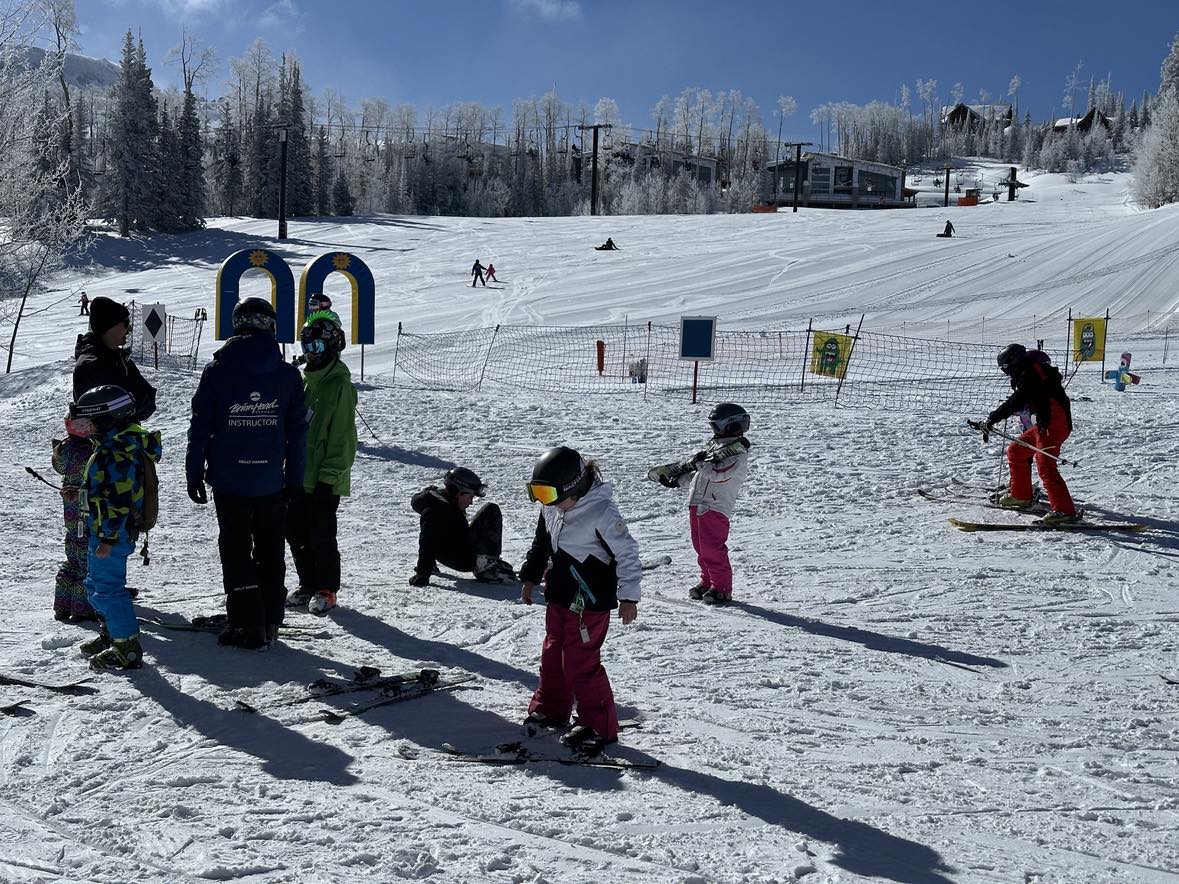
<point>829,354</point>
<point>1089,338</point>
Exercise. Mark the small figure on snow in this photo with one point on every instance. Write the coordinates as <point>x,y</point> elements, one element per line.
<point>327,475</point>
<point>948,232</point>
<point>84,302</point>
<point>115,491</point>
<point>1037,385</point>
<point>715,475</point>
<point>607,246</point>
<point>477,273</point>
<point>491,273</point>
<point>446,536</point>
<point>589,563</point>
<point>248,440</point>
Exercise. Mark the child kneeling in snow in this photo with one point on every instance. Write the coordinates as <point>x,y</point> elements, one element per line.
<point>590,564</point>
<point>112,499</point>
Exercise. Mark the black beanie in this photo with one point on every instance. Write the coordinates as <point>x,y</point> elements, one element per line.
<point>105,314</point>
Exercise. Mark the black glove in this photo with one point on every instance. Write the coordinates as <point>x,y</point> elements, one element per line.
<point>416,579</point>
<point>196,492</point>
<point>323,489</point>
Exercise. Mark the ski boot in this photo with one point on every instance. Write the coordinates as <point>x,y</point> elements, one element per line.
<point>537,723</point>
<point>716,598</point>
<point>251,638</point>
<point>96,645</point>
<point>584,741</point>
<point>697,592</point>
<point>124,653</point>
<point>322,602</point>
<point>493,570</point>
<point>299,597</point>
<point>1055,518</point>
<point>1010,502</point>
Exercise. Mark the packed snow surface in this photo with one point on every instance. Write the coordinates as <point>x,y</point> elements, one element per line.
<point>889,699</point>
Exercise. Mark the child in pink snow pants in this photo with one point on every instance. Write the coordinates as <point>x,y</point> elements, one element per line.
<point>589,563</point>
<point>715,477</point>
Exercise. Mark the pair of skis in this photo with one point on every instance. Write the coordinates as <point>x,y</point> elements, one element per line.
<point>981,497</point>
<point>214,623</point>
<point>527,750</point>
<point>386,690</point>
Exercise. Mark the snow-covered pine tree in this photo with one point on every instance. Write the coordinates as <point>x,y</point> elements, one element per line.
<point>190,175</point>
<point>343,202</point>
<point>128,187</point>
<point>227,163</point>
<point>300,181</point>
<point>323,174</point>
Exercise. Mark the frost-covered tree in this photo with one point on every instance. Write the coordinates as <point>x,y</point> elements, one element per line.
<point>1169,74</point>
<point>300,181</point>
<point>1156,162</point>
<point>323,174</point>
<point>343,203</point>
<point>44,217</point>
<point>128,189</point>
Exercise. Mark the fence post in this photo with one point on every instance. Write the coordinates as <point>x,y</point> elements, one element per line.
<point>625,323</point>
<point>806,352</point>
<point>1104,344</point>
<point>487,358</point>
<point>1166,339</point>
<point>847,365</point>
<point>647,379</point>
<point>1068,336</point>
<point>396,348</point>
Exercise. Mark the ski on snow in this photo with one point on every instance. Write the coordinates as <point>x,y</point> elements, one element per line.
<point>393,693</point>
<point>1081,527</point>
<point>76,686</point>
<point>364,679</point>
<point>214,623</point>
<point>524,755</point>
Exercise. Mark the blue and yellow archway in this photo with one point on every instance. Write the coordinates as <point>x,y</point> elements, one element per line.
<point>282,291</point>
<point>364,291</point>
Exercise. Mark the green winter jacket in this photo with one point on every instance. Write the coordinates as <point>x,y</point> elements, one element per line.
<point>331,435</point>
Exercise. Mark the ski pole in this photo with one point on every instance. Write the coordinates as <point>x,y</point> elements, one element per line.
<point>366,424</point>
<point>41,478</point>
<point>978,425</point>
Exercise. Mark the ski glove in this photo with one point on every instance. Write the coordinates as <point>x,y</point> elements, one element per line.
<point>196,492</point>
<point>416,579</point>
<point>322,489</point>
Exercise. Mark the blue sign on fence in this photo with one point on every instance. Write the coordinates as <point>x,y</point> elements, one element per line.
<point>698,338</point>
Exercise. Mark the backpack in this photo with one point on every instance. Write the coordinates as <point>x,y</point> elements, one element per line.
<point>146,518</point>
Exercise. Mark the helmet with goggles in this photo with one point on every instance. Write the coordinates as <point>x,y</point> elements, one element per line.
<point>559,474</point>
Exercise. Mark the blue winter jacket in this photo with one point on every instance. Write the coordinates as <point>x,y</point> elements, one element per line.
<point>248,434</point>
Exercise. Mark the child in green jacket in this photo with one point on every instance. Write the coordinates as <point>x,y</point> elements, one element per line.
<point>331,449</point>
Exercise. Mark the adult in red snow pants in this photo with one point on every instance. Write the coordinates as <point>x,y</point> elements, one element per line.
<point>571,671</point>
<point>1020,459</point>
<point>710,531</point>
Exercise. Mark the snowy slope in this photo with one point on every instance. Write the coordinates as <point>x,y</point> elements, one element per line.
<point>891,699</point>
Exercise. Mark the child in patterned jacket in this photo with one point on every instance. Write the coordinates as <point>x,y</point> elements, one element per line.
<point>113,503</point>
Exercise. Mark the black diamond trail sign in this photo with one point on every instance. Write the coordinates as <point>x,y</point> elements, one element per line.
<point>154,323</point>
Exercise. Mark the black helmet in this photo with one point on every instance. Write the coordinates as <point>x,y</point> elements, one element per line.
<point>729,419</point>
<point>460,479</point>
<point>107,407</point>
<point>253,314</point>
<point>322,339</point>
<point>560,473</point>
<point>1012,357</point>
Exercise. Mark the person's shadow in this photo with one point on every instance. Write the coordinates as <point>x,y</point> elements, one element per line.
<point>283,752</point>
<point>382,634</point>
<point>874,641</point>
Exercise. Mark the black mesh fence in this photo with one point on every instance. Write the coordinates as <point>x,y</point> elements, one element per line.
<point>181,341</point>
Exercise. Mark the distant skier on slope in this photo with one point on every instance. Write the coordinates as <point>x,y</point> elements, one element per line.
<point>607,246</point>
<point>948,232</point>
<point>477,274</point>
<point>491,272</point>
<point>1037,385</point>
<point>446,536</point>
<point>715,475</point>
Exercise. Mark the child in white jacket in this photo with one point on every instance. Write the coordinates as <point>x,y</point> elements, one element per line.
<point>715,481</point>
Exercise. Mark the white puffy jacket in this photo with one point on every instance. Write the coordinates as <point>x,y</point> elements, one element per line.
<point>577,533</point>
<point>715,486</point>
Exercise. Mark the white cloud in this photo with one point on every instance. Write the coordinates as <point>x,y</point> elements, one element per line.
<point>549,10</point>
<point>188,8</point>
<point>283,15</point>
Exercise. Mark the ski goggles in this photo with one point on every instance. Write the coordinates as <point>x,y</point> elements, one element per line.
<point>314,347</point>
<point>543,492</point>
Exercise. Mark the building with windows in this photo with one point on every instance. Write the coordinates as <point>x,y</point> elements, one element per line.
<point>829,181</point>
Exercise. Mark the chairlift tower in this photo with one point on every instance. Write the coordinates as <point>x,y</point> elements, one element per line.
<point>594,167</point>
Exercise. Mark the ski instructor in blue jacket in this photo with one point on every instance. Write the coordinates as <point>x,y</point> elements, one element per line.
<point>248,440</point>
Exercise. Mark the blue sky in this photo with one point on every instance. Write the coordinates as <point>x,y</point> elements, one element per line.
<point>435,52</point>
